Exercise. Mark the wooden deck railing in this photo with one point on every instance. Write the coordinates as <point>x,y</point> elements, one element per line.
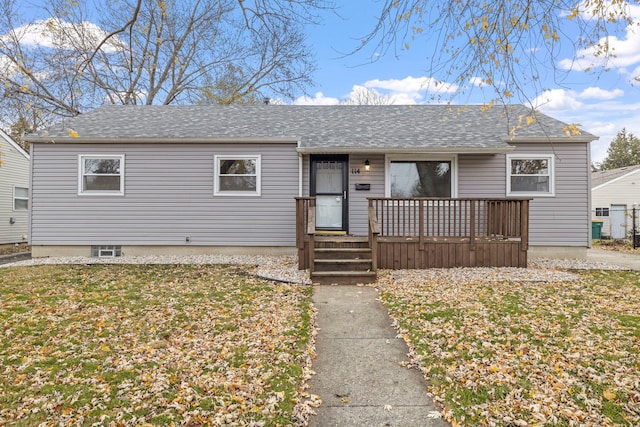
<point>451,218</point>
<point>464,232</point>
<point>424,233</point>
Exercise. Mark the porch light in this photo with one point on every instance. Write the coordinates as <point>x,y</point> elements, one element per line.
<point>367,165</point>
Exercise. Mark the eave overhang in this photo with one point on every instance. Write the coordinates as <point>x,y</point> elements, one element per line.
<point>577,139</point>
<point>173,140</point>
<point>405,150</point>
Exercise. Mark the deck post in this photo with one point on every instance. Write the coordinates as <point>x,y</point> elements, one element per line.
<point>524,225</point>
<point>311,231</point>
<point>300,205</point>
<point>374,231</point>
<point>421,225</point>
<point>472,225</point>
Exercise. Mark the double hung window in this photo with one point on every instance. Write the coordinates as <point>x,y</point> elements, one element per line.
<point>237,175</point>
<point>101,175</point>
<point>530,175</point>
<point>20,199</point>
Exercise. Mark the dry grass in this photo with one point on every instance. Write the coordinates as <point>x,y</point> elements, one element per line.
<point>525,353</point>
<point>150,345</point>
<point>14,248</point>
<point>625,246</point>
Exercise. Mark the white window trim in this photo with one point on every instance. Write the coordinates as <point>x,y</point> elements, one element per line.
<point>20,198</point>
<point>81,158</point>
<point>216,182</point>
<point>552,175</point>
<point>453,158</point>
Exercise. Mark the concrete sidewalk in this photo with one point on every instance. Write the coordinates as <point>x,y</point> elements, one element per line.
<point>626,260</point>
<point>358,372</point>
<point>19,256</point>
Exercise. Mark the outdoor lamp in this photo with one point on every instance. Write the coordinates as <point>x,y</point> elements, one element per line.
<point>367,165</point>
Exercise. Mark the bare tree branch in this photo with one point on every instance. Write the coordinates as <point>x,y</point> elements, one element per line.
<point>127,25</point>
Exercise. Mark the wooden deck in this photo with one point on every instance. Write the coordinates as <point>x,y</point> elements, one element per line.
<point>429,233</point>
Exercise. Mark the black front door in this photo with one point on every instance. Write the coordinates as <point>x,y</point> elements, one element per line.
<point>329,184</point>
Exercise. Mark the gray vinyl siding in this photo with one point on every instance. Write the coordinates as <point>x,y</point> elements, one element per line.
<point>358,204</point>
<point>168,196</point>
<point>562,220</point>
<point>14,172</point>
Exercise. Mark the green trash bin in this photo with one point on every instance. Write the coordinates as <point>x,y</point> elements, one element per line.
<point>596,229</point>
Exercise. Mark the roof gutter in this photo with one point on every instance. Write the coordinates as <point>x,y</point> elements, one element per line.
<point>404,150</point>
<point>544,139</point>
<point>163,140</point>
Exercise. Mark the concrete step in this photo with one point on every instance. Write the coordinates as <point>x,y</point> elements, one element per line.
<point>342,277</point>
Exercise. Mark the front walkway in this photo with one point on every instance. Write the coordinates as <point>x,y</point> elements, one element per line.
<point>358,372</point>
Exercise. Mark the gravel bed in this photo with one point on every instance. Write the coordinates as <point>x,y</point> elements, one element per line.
<point>279,268</point>
<point>285,269</point>
<point>572,264</point>
<point>539,270</point>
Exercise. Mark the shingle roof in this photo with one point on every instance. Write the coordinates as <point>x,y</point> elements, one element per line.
<point>317,128</point>
<point>602,177</point>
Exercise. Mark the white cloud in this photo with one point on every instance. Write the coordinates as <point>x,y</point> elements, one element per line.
<point>598,93</point>
<point>7,66</point>
<point>477,81</point>
<point>414,87</point>
<point>407,91</point>
<point>317,99</point>
<point>563,100</point>
<point>624,50</point>
<point>557,100</point>
<point>54,33</point>
<point>600,112</point>
<point>361,95</point>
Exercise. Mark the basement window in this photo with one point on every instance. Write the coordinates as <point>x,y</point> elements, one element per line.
<point>106,251</point>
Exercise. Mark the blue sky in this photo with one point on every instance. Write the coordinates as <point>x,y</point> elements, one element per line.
<point>601,102</point>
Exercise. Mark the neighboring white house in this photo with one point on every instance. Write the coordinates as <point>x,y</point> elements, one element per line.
<point>14,191</point>
<point>613,196</point>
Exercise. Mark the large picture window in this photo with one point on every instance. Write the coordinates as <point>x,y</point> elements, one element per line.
<point>530,175</point>
<point>237,175</point>
<point>101,175</point>
<point>20,198</point>
<point>420,178</point>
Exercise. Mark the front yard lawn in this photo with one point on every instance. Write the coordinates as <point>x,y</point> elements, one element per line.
<point>503,353</point>
<point>150,345</point>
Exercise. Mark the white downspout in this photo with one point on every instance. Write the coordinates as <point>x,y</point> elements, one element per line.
<point>299,172</point>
